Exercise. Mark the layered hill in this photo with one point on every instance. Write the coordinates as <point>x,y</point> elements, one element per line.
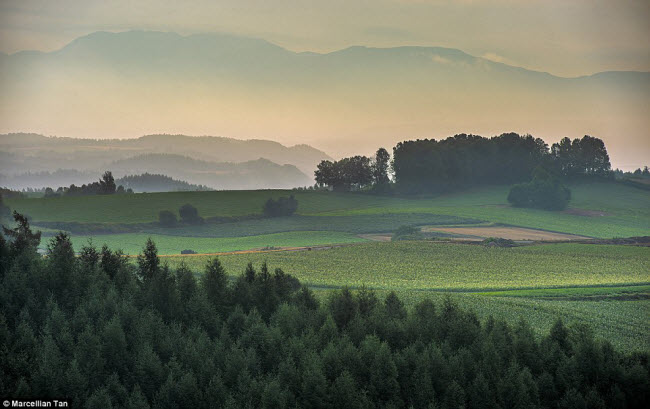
<point>22,152</point>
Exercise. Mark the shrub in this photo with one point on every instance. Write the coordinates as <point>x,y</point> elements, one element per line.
<point>189,214</point>
<point>282,207</point>
<point>543,192</point>
<point>188,251</point>
<point>167,218</point>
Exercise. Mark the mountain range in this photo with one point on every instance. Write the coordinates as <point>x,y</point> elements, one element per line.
<point>30,160</point>
<point>348,101</point>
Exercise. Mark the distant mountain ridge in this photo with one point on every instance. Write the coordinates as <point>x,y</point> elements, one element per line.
<point>349,101</point>
<point>32,160</point>
<point>211,148</point>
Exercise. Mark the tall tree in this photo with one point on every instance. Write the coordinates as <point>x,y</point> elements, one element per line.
<point>21,238</point>
<point>107,184</point>
<point>380,167</point>
<point>215,283</point>
<point>148,261</point>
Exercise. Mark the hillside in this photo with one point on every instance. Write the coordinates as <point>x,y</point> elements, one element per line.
<point>50,165</point>
<point>603,210</point>
<point>254,174</point>
<point>21,152</point>
<point>148,182</point>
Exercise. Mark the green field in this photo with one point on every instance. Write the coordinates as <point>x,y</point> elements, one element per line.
<point>132,243</point>
<point>435,266</point>
<point>626,210</point>
<point>606,286</point>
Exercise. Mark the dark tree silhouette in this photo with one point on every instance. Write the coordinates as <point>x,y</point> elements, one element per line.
<point>189,214</point>
<point>380,167</point>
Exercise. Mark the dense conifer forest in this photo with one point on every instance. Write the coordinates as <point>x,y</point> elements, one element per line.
<point>107,333</point>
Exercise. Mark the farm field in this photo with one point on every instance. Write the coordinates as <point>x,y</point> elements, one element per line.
<point>132,243</point>
<point>603,285</point>
<point>602,210</point>
<point>606,286</point>
<point>435,266</point>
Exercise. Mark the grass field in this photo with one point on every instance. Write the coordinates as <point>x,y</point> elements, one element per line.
<point>455,267</point>
<point>603,285</point>
<point>133,243</point>
<point>626,209</point>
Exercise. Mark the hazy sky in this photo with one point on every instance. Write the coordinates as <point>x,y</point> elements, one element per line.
<point>564,37</point>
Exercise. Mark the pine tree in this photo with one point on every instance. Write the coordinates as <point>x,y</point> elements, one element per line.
<point>148,261</point>
<point>100,399</point>
<point>137,400</point>
<point>21,238</point>
<point>215,284</point>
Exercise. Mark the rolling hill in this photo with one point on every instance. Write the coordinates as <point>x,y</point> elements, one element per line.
<point>22,152</point>
<point>254,174</point>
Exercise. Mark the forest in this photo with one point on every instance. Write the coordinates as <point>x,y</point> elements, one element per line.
<point>104,332</point>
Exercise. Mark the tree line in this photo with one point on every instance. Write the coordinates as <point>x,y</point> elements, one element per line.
<point>355,173</point>
<point>464,160</point>
<point>106,333</point>
<point>104,186</point>
<point>429,165</point>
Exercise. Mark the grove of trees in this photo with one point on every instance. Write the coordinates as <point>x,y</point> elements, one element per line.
<point>105,186</point>
<point>465,160</point>
<point>107,333</point>
<point>354,173</point>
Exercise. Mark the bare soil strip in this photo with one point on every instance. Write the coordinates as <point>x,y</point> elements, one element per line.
<point>512,233</point>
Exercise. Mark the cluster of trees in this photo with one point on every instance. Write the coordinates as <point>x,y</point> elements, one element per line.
<point>188,215</point>
<point>580,157</point>
<point>464,160</point>
<point>284,206</point>
<point>355,173</point>
<point>106,333</point>
<point>105,186</point>
<point>10,194</point>
<point>148,182</point>
<point>637,173</point>
<point>545,191</point>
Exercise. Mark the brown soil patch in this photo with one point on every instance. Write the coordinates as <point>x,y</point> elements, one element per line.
<point>584,212</point>
<point>512,233</point>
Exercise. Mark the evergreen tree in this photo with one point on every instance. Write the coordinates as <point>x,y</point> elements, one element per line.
<point>21,238</point>
<point>215,284</point>
<point>148,261</point>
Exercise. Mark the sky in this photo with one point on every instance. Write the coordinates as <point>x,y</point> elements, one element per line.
<point>565,38</point>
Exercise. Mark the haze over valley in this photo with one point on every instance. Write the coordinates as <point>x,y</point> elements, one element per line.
<point>36,161</point>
